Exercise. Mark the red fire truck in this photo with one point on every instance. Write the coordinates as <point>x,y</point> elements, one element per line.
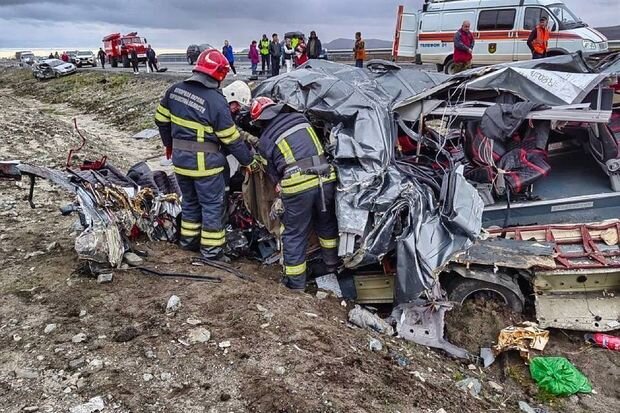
<point>118,48</point>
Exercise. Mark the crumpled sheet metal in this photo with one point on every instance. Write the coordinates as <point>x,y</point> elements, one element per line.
<point>523,338</point>
<point>374,193</point>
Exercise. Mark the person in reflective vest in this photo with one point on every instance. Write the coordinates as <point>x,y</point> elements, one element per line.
<point>196,126</point>
<point>538,42</point>
<point>307,183</point>
<point>263,48</point>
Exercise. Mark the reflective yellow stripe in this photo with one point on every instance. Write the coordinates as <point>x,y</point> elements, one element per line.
<point>161,118</point>
<point>190,232</point>
<point>163,110</point>
<point>201,160</point>
<point>287,152</point>
<point>191,124</point>
<point>224,133</point>
<point>232,139</point>
<point>212,242</point>
<point>315,139</point>
<point>328,242</point>
<point>213,234</point>
<point>198,173</point>
<point>190,225</point>
<point>295,269</point>
<point>300,183</point>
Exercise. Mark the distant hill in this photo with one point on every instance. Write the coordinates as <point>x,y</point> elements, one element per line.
<point>612,32</point>
<point>341,43</point>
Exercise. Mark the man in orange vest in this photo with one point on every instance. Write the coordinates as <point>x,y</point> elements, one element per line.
<point>538,42</point>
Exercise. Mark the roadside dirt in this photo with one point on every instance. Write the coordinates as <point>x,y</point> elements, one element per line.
<point>287,352</point>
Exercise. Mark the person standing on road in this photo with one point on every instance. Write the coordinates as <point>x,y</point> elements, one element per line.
<point>253,55</point>
<point>196,128</point>
<point>296,164</point>
<point>133,55</point>
<point>275,51</point>
<point>264,54</point>
<point>56,55</point>
<point>101,56</point>
<point>359,50</point>
<point>51,56</point>
<point>314,46</point>
<point>227,51</point>
<point>64,57</point>
<point>463,47</point>
<point>151,57</point>
<point>538,42</point>
<point>288,52</point>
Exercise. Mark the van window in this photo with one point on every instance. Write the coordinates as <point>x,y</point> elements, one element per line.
<point>430,22</point>
<point>497,19</point>
<point>452,21</point>
<point>533,15</point>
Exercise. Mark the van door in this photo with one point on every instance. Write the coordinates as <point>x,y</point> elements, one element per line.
<point>494,35</point>
<point>531,17</point>
<point>406,36</point>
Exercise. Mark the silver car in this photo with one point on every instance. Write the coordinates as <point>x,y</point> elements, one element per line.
<point>50,68</point>
<point>85,57</point>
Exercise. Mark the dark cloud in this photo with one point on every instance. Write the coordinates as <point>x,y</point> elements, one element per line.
<point>175,23</point>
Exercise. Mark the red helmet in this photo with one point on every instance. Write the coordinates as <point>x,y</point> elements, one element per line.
<point>212,63</point>
<point>259,105</point>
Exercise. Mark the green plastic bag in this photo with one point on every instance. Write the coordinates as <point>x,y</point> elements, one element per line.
<point>557,376</point>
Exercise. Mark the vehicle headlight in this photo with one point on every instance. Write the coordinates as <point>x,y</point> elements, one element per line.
<point>589,45</point>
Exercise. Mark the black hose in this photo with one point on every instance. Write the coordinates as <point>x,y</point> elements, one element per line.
<point>186,276</point>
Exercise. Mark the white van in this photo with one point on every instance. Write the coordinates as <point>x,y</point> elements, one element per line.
<point>501,29</point>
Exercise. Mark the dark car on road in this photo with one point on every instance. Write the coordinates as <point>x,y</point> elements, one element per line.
<point>194,50</point>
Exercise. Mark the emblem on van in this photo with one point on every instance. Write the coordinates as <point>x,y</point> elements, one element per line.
<point>492,47</point>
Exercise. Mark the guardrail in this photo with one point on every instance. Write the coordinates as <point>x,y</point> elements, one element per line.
<point>614,45</point>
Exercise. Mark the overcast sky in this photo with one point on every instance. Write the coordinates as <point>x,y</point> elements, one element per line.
<point>172,24</point>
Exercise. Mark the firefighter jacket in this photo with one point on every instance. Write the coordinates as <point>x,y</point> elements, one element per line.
<point>287,141</point>
<point>195,120</point>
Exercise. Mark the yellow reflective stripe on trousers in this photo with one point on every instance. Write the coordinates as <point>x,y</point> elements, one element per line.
<point>190,232</point>
<point>315,140</point>
<point>163,110</point>
<point>213,238</point>
<point>212,242</point>
<point>286,151</point>
<point>190,225</point>
<point>161,118</point>
<point>193,173</point>
<point>328,242</point>
<point>213,234</point>
<point>292,270</point>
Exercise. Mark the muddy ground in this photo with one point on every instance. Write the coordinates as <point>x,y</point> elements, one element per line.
<point>269,350</point>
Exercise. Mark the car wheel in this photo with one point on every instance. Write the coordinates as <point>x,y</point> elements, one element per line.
<point>448,68</point>
<point>125,61</point>
<point>463,289</point>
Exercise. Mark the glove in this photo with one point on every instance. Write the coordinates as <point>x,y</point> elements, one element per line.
<point>168,152</point>
<point>253,167</point>
<point>277,209</point>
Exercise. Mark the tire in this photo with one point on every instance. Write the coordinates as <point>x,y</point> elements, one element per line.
<point>461,289</point>
<point>114,62</point>
<point>190,61</point>
<point>448,68</point>
<point>125,61</point>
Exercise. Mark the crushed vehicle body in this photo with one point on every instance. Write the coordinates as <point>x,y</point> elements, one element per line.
<point>50,68</point>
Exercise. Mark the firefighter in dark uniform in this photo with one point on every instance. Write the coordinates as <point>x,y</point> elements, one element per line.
<point>196,126</point>
<point>297,164</point>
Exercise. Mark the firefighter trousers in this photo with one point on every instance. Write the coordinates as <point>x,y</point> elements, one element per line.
<point>202,207</point>
<point>302,213</point>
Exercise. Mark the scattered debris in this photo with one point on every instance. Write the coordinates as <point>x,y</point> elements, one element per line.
<point>133,259</point>
<point>329,283</point>
<point>224,397</point>
<point>224,344</point>
<point>165,376</point>
<point>321,295</point>
<point>279,370</point>
<point>193,321</point>
<point>558,376</point>
<point>470,385</point>
<point>604,340</point>
<point>365,319</point>
<point>311,315</point>
<point>49,328</point>
<point>174,303</point>
<point>93,405</point>
<point>497,387</point>
<point>147,377</point>
<point>79,338</point>
<point>199,335</point>
<point>375,345</point>
<point>522,337</point>
<point>524,407</point>
<point>105,278</point>
<point>419,376</point>
<point>26,373</point>
<point>126,334</point>
<point>30,409</point>
<point>146,134</point>
<point>487,356</point>
<point>77,363</point>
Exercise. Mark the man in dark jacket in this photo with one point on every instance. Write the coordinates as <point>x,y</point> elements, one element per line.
<point>463,47</point>
<point>101,56</point>
<point>151,57</point>
<point>275,51</point>
<point>314,47</point>
<point>296,164</point>
<point>133,55</point>
<point>196,126</point>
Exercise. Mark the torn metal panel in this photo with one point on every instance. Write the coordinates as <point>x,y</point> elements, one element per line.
<point>509,253</point>
<point>561,113</point>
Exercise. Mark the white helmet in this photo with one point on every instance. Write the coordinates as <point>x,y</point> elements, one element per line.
<point>238,91</point>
